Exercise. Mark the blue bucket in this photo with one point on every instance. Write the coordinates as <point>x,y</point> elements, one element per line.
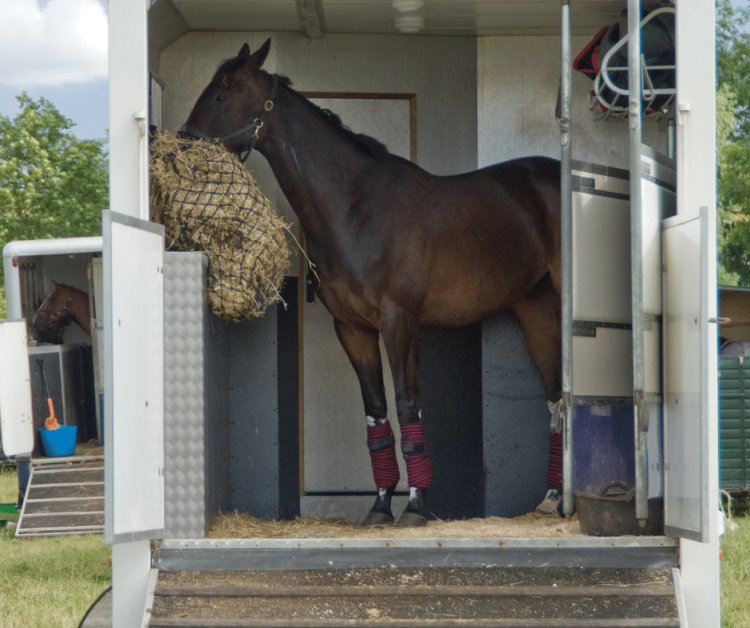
<point>603,448</point>
<point>59,442</point>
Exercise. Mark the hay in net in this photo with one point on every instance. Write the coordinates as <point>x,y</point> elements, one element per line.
<point>208,202</point>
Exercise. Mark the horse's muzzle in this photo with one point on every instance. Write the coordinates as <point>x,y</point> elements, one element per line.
<point>188,132</point>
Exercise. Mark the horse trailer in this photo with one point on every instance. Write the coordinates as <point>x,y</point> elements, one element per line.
<point>203,417</point>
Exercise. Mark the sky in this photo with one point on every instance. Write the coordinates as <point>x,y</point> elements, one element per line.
<point>58,49</point>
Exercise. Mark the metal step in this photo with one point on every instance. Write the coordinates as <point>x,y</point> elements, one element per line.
<point>63,496</point>
<point>576,581</point>
<point>416,596</point>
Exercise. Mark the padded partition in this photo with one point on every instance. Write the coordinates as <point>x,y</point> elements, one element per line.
<point>516,422</point>
<point>263,409</point>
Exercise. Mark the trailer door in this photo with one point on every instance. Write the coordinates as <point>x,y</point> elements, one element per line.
<point>134,378</point>
<point>16,422</point>
<point>689,310</point>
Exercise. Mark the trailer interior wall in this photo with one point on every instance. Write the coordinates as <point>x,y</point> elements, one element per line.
<point>518,79</point>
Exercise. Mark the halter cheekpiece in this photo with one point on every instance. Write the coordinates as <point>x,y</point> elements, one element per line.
<point>255,126</point>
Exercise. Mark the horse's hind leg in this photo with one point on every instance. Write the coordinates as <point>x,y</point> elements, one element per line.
<point>401,335</point>
<point>538,313</point>
<point>539,316</point>
<point>362,347</point>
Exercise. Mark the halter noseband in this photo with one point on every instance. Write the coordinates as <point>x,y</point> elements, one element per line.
<point>57,319</point>
<point>255,126</point>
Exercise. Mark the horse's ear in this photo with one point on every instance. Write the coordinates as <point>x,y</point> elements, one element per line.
<point>259,56</point>
<point>244,52</point>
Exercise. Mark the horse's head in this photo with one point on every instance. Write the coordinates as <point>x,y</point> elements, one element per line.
<point>234,105</point>
<point>53,314</point>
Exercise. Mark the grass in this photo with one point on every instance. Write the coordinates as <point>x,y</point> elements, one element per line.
<point>48,582</point>
<point>51,582</point>
<point>735,574</point>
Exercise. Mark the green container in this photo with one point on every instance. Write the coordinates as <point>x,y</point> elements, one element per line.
<point>7,509</point>
<point>734,423</point>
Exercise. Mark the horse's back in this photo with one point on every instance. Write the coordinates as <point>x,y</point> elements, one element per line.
<point>492,235</point>
<point>542,173</point>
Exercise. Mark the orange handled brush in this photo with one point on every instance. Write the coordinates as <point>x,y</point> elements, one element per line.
<point>50,423</point>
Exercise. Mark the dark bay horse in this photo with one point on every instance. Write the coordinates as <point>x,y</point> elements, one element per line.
<point>396,248</point>
<point>62,306</point>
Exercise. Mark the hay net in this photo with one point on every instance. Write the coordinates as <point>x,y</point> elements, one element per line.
<point>208,202</point>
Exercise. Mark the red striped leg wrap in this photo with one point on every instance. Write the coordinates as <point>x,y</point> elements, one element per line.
<point>414,448</point>
<point>382,446</point>
<point>554,471</point>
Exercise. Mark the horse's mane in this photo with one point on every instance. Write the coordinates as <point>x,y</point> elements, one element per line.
<point>367,143</point>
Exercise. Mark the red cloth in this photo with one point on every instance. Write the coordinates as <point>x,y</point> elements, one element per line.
<point>414,448</point>
<point>382,445</point>
<point>554,471</point>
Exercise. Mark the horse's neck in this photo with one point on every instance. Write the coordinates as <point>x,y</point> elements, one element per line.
<point>79,311</point>
<point>316,165</point>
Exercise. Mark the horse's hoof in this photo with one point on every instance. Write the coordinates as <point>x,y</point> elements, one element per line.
<point>375,518</point>
<point>410,519</point>
<point>380,513</point>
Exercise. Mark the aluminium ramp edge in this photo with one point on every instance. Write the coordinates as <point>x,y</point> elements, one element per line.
<point>63,496</point>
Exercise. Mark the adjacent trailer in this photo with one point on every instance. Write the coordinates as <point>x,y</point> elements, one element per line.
<point>478,85</point>
<point>59,492</point>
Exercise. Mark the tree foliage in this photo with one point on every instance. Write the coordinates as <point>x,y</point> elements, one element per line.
<point>733,142</point>
<point>52,184</point>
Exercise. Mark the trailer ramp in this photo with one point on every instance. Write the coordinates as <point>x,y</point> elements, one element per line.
<point>63,496</point>
<point>450,584</point>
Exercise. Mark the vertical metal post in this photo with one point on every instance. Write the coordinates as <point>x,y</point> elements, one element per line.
<point>671,139</point>
<point>640,416</point>
<point>566,231</point>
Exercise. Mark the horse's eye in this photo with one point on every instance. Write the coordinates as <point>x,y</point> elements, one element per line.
<point>221,97</point>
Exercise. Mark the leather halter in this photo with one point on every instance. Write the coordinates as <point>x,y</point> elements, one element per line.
<point>256,125</point>
<point>60,317</point>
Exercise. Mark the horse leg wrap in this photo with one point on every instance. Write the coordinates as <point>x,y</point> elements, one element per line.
<point>554,471</point>
<point>382,445</point>
<point>414,448</point>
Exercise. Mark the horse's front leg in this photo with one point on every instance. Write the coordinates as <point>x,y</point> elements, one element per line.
<point>401,335</point>
<point>362,346</point>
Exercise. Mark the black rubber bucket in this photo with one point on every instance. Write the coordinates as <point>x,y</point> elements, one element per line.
<point>612,512</point>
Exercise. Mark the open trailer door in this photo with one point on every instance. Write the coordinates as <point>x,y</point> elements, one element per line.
<point>134,378</point>
<point>689,312</point>
<point>16,421</point>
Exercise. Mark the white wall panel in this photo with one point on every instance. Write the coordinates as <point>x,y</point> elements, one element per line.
<point>518,80</point>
